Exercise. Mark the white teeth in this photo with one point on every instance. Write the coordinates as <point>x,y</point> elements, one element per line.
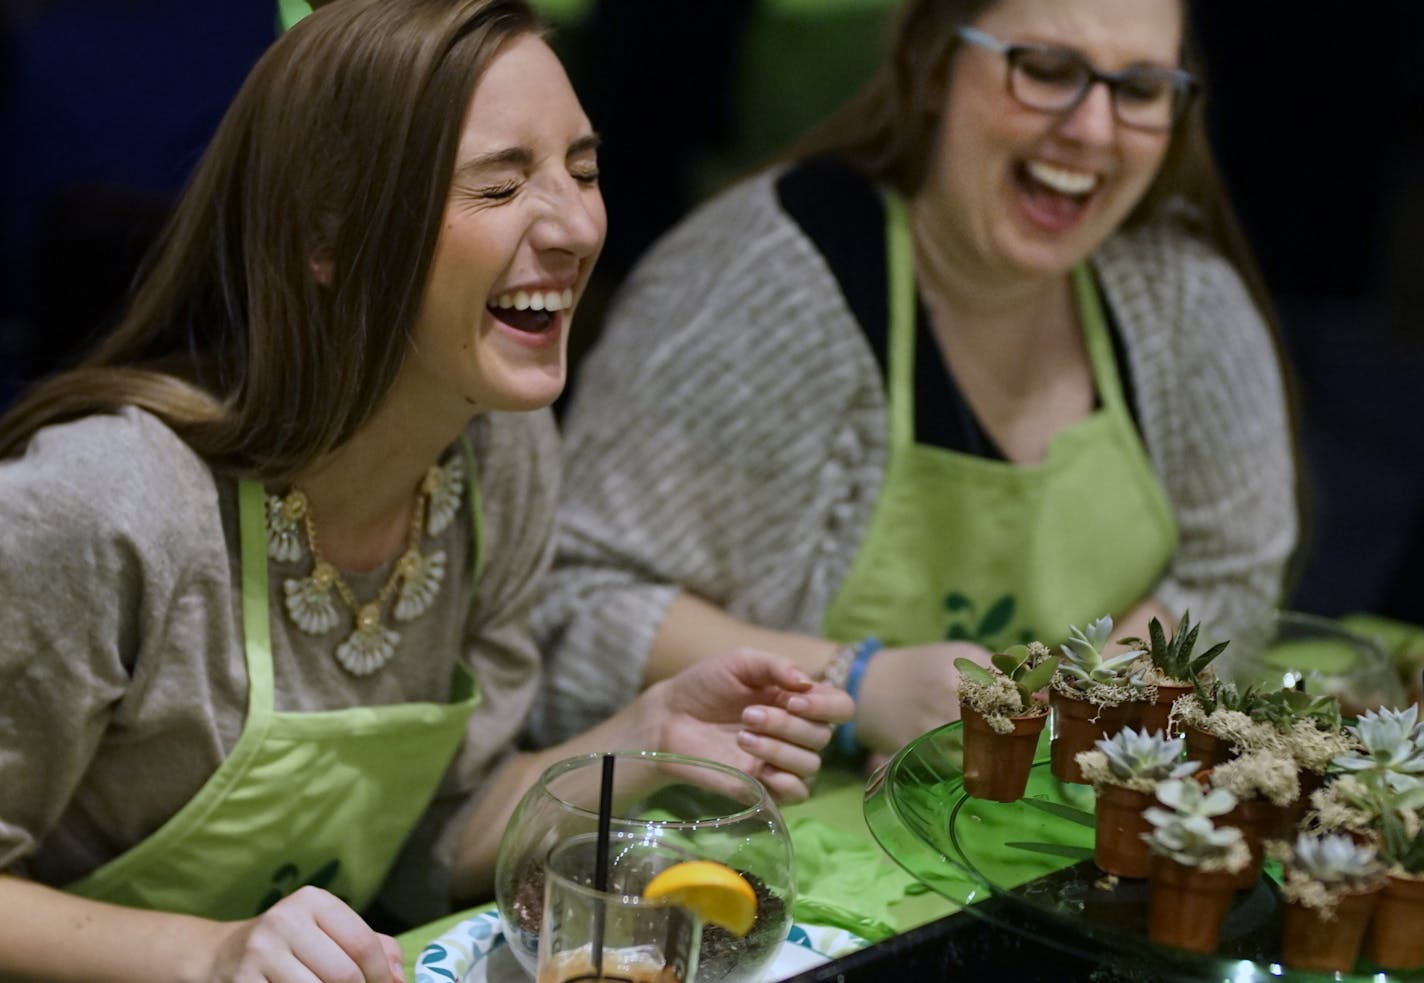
<point>538,300</point>
<point>1062,180</point>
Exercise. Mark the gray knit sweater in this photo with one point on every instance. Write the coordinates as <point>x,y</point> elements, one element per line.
<point>728,437</point>
<point>122,675</point>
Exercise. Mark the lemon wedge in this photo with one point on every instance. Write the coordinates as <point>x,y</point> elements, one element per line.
<point>717,893</point>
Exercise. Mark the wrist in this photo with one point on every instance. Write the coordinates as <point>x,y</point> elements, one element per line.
<point>860,653</point>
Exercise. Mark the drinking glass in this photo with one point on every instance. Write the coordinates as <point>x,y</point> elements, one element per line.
<point>614,934</point>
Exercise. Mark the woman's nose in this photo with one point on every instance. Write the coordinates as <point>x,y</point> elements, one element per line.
<point>1092,120</point>
<point>575,221</point>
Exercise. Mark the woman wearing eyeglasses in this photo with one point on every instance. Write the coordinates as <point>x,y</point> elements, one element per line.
<point>983,358</point>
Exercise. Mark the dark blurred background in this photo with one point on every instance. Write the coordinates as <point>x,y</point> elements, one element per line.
<point>1317,113</point>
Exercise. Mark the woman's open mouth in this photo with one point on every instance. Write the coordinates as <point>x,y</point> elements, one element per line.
<point>530,311</point>
<point>1054,197</point>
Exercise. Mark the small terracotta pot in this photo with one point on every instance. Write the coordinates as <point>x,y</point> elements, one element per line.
<point>1289,817</point>
<point>1328,945</point>
<point>1155,716</point>
<point>1255,818</point>
<point>1206,747</point>
<point>996,766</point>
<point>1118,846</point>
<point>1187,905</point>
<point>1077,726</point>
<point>1395,938</point>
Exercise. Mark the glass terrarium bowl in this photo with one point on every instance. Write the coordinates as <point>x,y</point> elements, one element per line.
<point>1286,649</point>
<point>706,809</point>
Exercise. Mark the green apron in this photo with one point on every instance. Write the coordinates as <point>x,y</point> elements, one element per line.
<point>965,548</point>
<point>323,798</point>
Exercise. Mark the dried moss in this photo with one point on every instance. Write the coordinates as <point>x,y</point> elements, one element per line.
<point>1342,806</point>
<point>997,702</point>
<point>1101,695</point>
<point>1265,774</point>
<point>1097,773</point>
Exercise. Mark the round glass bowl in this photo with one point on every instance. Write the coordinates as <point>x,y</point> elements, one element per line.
<point>1291,649</point>
<point>705,809</point>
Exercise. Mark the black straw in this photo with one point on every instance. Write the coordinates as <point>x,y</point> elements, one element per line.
<point>600,862</point>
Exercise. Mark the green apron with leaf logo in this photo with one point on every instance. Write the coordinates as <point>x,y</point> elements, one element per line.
<point>324,798</point>
<point>966,548</point>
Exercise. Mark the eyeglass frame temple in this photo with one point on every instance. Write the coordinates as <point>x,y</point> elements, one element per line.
<point>1187,83</point>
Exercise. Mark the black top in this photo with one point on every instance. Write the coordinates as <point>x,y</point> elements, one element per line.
<point>844,217</point>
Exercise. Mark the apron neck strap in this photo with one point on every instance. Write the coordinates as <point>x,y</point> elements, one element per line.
<point>256,628</point>
<point>900,280</point>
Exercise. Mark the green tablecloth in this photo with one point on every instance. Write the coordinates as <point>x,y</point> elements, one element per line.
<point>856,887</point>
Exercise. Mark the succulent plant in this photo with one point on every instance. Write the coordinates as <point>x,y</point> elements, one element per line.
<point>1028,667</point>
<point>1083,663</point>
<point>1283,708</point>
<point>1187,833</point>
<point>1334,860</point>
<point>1393,743</point>
<point>1154,756</point>
<point>1173,657</point>
<point>1216,695</point>
<point>1402,826</point>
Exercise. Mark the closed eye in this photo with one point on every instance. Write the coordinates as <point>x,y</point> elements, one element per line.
<point>498,192</point>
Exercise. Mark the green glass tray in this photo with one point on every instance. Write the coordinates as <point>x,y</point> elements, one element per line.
<point>1030,863</point>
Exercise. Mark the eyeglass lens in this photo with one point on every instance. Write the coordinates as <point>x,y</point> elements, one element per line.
<point>1054,79</point>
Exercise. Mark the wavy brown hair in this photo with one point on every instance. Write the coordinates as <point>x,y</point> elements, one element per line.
<point>887,131</point>
<point>337,151</point>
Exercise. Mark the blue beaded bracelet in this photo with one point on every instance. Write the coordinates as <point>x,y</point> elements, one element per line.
<point>845,739</point>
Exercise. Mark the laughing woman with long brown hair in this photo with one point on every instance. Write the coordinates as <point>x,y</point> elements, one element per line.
<point>268,554</point>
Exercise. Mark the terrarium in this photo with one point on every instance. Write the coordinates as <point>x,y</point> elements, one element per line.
<point>702,808</point>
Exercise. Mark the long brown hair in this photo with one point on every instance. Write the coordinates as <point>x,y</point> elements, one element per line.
<point>887,131</point>
<point>337,152</point>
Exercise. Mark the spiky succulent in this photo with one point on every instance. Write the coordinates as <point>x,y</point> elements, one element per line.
<point>1028,667</point>
<point>1083,662</point>
<point>1173,657</point>
<point>1185,831</point>
<point>1153,756</point>
<point>1393,743</point>
<point>1284,707</point>
<point>1216,695</point>
<point>1334,860</point>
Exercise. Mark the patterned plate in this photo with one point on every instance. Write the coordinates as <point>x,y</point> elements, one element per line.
<point>471,952</point>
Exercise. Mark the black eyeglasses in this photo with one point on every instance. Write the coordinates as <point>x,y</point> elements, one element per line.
<point>1055,80</point>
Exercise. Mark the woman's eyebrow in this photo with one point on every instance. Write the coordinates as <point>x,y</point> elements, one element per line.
<point>520,157</point>
<point>584,145</point>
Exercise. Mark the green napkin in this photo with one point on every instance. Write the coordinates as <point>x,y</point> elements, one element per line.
<point>845,880</point>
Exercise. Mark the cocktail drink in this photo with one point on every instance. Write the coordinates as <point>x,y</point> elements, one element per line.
<point>624,967</point>
<point>614,934</point>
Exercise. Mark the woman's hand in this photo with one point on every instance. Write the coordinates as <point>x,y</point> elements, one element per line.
<point>753,710</point>
<point>907,691</point>
<point>310,935</point>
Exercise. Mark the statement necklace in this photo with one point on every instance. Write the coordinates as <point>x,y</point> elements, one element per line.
<point>312,601</point>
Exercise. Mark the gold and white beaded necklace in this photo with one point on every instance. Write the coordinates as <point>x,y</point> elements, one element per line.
<point>415,579</point>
